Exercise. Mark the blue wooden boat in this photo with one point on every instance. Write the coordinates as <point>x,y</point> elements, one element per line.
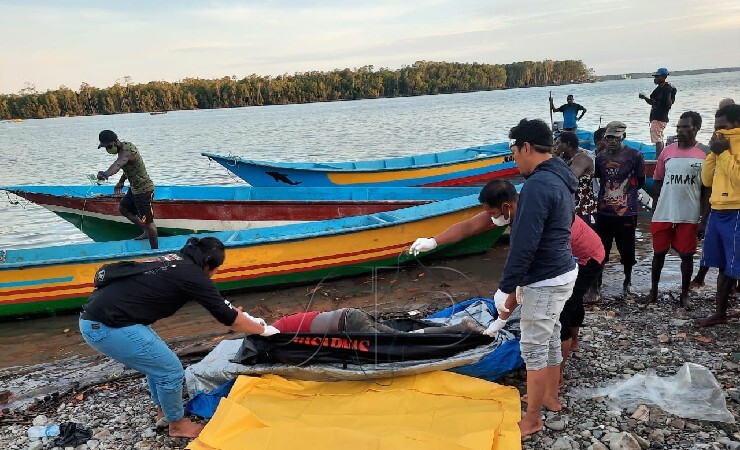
<point>58,278</point>
<point>472,166</point>
<point>194,209</point>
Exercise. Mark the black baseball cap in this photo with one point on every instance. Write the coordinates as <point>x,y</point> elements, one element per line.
<point>106,138</point>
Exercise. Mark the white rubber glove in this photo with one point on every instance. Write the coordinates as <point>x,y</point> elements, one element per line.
<point>255,319</point>
<point>422,245</point>
<point>495,326</point>
<point>269,331</point>
<point>500,300</point>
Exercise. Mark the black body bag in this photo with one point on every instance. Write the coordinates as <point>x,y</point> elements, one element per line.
<point>353,348</point>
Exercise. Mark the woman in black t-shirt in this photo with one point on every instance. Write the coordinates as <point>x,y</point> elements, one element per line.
<point>116,318</point>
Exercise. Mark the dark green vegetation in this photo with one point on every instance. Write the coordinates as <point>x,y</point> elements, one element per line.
<point>421,78</point>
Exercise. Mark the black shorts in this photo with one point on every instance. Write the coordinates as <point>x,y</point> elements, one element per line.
<point>139,205</point>
<point>573,312</point>
<point>620,229</point>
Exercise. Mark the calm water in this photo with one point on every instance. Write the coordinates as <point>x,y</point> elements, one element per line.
<point>63,150</point>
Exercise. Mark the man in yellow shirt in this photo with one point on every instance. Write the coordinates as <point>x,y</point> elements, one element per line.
<point>721,172</point>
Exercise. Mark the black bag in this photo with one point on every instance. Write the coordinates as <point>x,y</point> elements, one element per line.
<point>108,273</point>
<point>354,348</point>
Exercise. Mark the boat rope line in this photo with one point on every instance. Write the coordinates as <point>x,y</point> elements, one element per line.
<point>11,201</point>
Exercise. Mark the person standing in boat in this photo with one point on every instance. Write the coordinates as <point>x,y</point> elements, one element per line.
<point>136,205</point>
<point>582,165</point>
<point>130,296</point>
<point>660,100</point>
<point>621,174</point>
<point>570,113</point>
<point>678,219</point>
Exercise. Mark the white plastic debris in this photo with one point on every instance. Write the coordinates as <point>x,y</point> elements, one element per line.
<point>693,393</point>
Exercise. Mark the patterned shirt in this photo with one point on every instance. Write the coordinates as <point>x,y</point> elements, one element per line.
<point>618,176</point>
<point>136,171</point>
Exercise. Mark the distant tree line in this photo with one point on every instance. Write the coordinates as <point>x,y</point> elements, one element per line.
<point>421,78</point>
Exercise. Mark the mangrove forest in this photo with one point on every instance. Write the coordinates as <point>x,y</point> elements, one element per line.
<point>421,78</point>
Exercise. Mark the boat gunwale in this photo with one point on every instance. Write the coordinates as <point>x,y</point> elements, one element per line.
<point>324,228</point>
<point>481,155</point>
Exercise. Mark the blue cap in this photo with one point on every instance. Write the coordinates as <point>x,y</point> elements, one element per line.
<point>661,72</point>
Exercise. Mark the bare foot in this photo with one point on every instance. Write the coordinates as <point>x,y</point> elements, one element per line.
<point>710,321</point>
<point>591,298</point>
<point>550,405</point>
<point>160,413</point>
<point>685,302</point>
<point>141,237</point>
<point>185,428</point>
<point>695,284</point>
<point>527,427</point>
<point>651,297</point>
<point>733,315</point>
<point>626,289</point>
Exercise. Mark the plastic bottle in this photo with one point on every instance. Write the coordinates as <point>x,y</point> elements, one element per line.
<point>39,431</point>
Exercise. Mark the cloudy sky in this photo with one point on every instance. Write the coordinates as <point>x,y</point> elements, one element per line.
<point>49,43</point>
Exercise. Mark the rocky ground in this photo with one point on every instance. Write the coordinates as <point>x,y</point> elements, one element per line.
<point>622,337</point>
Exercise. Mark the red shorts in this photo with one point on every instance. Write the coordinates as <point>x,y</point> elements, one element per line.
<point>680,236</point>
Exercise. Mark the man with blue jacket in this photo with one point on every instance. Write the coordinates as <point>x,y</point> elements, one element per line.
<point>540,271</point>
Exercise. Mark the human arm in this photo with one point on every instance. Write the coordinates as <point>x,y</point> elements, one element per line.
<point>658,177</point>
<point>582,164</point>
<point>705,206</point>
<point>647,99</point>
<point>197,285</point>
<point>245,324</point>
<point>118,188</point>
<point>708,168</point>
<point>533,209</point>
<point>476,224</point>
<point>640,170</point>
<point>729,165</point>
<point>124,157</point>
<point>503,316</point>
<point>657,187</point>
<point>583,113</point>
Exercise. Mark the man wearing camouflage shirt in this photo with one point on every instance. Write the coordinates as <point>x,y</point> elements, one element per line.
<point>136,205</point>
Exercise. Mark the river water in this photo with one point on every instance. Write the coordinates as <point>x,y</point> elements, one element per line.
<point>63,150</point>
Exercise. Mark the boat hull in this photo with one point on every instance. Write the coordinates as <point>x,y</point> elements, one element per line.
<point>194,209</point>
<point>477,166</point>
<point>55,279</point>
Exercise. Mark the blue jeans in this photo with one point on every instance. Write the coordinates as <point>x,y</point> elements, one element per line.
<point>139,348</point>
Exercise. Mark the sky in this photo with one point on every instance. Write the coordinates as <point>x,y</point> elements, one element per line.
<point>47,44</point>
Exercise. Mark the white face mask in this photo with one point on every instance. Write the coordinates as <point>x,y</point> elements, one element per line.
<point>501,221</point>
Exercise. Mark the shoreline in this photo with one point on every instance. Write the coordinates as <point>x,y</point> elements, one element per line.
<point>621,338</point>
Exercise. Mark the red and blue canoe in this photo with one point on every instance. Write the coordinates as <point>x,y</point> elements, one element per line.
<point>194,209</point>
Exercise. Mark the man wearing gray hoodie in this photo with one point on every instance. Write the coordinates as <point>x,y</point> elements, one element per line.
<point>540,270</point>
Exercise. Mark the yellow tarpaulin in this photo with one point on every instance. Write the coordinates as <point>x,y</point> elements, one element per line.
<point>437,410</point>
